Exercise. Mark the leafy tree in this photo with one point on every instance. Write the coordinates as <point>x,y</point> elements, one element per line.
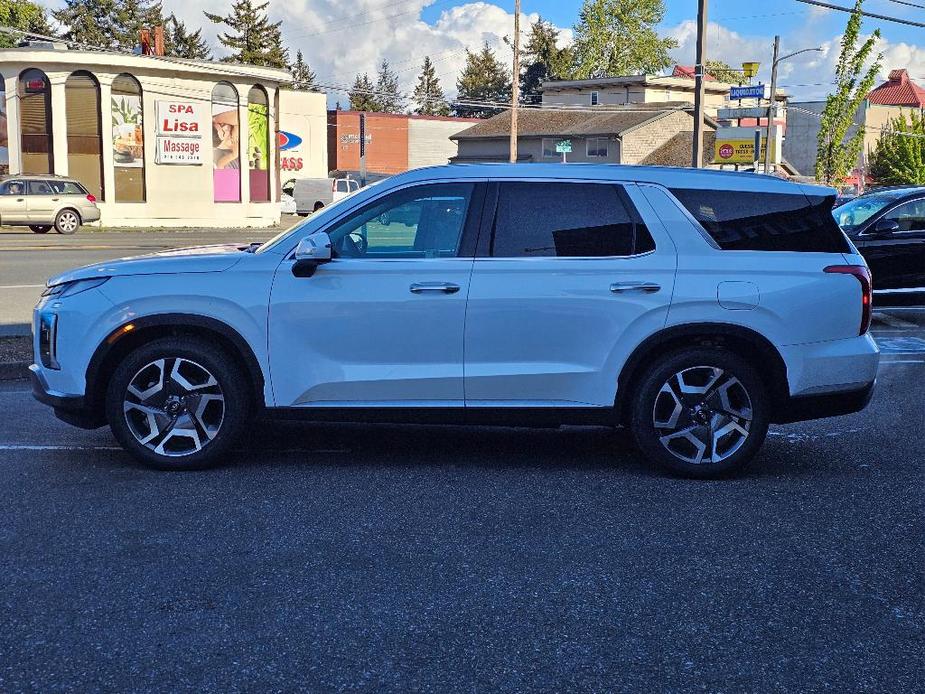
<point>88,22</point>
<point>24,15</point>
<point>899,158</point>
<point>483,78</point>
<point>180,42</point>
<point>724,72</point>
<point>542,60</point>
<point>428,94</point>
<point>618,37</point>
<point>252,38</point>
<point>302,75</point>
<point>362,96</point>
<point>839,145</point>
<point>388,97</point>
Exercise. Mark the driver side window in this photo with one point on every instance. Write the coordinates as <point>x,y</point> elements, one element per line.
<point>420,222</point>
<point>910,216</point>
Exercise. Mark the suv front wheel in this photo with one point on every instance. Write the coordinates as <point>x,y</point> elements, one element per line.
<point>177,403</point>
<point>701,412</point>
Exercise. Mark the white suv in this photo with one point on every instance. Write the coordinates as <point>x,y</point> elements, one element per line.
<point>694,307</point>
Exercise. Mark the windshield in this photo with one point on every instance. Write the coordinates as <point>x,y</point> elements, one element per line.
<point>321,214</point>
<point>856,212</point>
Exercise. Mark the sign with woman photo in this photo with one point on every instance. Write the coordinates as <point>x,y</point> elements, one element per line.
<point>226,152</point>
<point>127,131</point>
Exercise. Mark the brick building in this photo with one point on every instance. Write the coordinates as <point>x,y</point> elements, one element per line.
<point>395,142</point>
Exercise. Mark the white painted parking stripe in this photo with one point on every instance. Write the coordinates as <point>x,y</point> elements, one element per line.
<point>21,286</point>
<point>49,447</point>
<point>893,321</point>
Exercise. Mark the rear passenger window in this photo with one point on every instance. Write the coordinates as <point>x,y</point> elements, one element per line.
<point>740,221</point>
<point>66,188</point>
<point>567,220</point>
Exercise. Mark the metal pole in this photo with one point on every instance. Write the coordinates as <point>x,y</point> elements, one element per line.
<point>697,153</point>
<point>772,107</point>
<point>515,82</point>
<point>362,150</point>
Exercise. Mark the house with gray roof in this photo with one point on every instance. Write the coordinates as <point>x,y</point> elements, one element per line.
<point>607,135</point>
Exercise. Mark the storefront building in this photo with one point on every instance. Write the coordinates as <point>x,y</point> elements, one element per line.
<point>158,141</point>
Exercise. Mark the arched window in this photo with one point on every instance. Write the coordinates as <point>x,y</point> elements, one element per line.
<point>128,139</point>
<point>258,144</point>
<point>226,157</point>
<point>84,132</point>
<point>35,122</point>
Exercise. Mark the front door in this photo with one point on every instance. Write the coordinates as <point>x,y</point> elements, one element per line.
<point>897,260</point>
<point>13,208</point>
<point>382,323</point>
<point>574,278</point>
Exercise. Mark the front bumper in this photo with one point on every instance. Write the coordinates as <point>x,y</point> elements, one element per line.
<point>71,409</point>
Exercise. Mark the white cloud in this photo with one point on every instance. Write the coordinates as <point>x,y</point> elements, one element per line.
<point>340,39</point>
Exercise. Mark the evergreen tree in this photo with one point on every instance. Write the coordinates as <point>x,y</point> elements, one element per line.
<point>619,37</point>
<point>361,94</point>
<point>252,37</point>
<point>542,60</point>
<point>899,158</point>
<point>428,95</point>
<point>302,75</point>
<point>180,42</point>
<point>388,98</point>
<point>88,22</point>
<point>483,78</point>
<point>25,15</point>
<point>839,145</point>
<point>128,18</point>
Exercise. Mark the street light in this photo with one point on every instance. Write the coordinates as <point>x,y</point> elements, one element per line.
<point>772,107</point>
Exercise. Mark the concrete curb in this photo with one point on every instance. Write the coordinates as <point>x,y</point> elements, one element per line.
<point>14,371</point>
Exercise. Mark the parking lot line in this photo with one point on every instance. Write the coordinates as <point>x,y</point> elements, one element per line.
<point>21,286</point>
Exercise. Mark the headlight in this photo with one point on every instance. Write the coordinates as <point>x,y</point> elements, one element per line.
<point>59,291</point>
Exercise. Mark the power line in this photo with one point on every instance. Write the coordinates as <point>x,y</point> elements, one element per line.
<point>908,4</point>
<point>872,15</point>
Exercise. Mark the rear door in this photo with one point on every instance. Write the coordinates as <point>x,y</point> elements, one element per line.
<point>569,278</point>
<point>897,259</point>
<point>42,202</point>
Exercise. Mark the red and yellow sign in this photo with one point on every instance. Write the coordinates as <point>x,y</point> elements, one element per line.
<point>738,151</point>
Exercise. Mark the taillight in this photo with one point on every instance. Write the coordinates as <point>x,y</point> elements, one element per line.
<point>91,197</point>
<point>863,276</point>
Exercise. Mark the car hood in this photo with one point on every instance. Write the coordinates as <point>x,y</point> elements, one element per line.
<point>181,260</point>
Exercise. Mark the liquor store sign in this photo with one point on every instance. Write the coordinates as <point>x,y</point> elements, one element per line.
<point>181,129</point>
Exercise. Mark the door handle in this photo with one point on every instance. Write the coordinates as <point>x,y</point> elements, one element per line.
<point>55,199</point>
<point>20,199</point>
<point>434,287</point>
<point>644,287</point>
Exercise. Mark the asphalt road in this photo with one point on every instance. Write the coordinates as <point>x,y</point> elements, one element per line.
<point>27,259</point>
<point>387,558</point>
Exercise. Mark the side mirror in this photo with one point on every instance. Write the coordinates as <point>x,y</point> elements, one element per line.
<point>311,252</point>
<point>886,227</point>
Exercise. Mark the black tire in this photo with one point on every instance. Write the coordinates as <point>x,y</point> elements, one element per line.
<point>700,413</point>
<point>67,221</point>
<point>40,228</point>
<point>232,386</point>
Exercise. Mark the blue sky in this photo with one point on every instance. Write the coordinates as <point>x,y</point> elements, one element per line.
<point>341,39</point>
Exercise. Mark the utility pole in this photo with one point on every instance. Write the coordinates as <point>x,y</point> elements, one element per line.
<point>699,70</point>
<point>772,108</point>
<point>515,82</point>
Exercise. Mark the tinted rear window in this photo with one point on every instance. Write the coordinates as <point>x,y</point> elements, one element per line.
<point>740,221</point>
<point>567,220</point>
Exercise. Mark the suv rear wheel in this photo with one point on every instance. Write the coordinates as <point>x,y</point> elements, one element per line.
<point>701,412</point>
<point>67,222</point>
<point>177,403</point>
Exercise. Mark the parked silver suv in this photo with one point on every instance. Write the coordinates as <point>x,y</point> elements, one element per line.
<point>41,202</point>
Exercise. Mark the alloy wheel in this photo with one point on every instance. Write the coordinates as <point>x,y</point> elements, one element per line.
<point>68,222</point>
<point>174,407</point>
<point>702,414</point>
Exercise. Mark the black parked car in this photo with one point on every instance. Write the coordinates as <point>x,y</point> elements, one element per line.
<point>888,227</point>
